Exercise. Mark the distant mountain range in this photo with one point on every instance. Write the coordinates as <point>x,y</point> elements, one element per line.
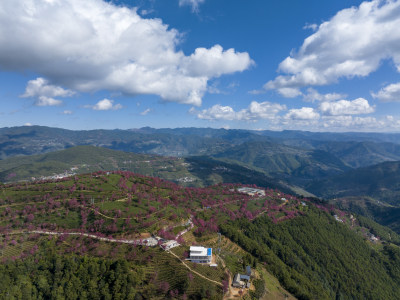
<point>328,165</point>
<point>191,171</point>
<point>28,140</point>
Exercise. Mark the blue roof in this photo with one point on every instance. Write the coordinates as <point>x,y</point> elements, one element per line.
<point>209,251</point>
<point>244,277</point>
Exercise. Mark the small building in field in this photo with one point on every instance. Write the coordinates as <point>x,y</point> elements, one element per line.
<point>237,282</point>
<point>169,245</point>
<point>241,281</point>
<point>251,191</point>
<point>199,254</point>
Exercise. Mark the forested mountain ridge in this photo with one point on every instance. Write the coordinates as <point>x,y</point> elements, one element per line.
<point>297,165</point>
<point>381,181</point>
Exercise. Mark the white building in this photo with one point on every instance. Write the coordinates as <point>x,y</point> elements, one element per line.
<point>200,254</point>
<point>251,191</point>
<point>169,245</point>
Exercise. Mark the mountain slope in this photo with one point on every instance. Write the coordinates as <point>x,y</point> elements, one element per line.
<point>83,159</point>
<point>294,164</point>
<point>381,181</point>
<point>59,236</point>
<point>320,259</point>
<point>381,212</point>
<point>191,171</point>
<point>362,154</point>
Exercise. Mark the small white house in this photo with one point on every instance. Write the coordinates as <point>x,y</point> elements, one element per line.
<point>169,245</point>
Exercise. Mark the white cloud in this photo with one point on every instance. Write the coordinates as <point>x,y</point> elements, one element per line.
<point>145,112</point>
<point>41,87</point>
<point>47,101</point>
<point>356,123</point>
<point>214,88</point>
<point>345,107</point>
<point>44,92</point>
<point>193,3</point>
<point>145,12</point>
<point>289,92</point>
<point>217,112</point>
<point>215,61</point>
<point>107,47</point>
<point>304,113</point>
<point>263,110</point>
<point>67,112</point>
<point>105,104</point>
<point>313,95</point>
<point>352,43</point>
<point>313,27</point>
<point>389,93</point>
<point>255,111</point>
<point>28,124</point>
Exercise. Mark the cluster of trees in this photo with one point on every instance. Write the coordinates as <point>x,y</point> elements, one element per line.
<point>68,277</point>
<point>315,258</point>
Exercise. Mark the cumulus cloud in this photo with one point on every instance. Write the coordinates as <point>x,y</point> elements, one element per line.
<point>193,3</point>
<point>41,87</point>
<point>47,101</point>
<point>346,107</point>
<point>67,112</point>
<point>389,93</point>
<point>215,61</point>
<point>313,95</point>
<point>255,111</point>
<point>107,47</point>
<point>44,93</point>
<point>217,112</point>
<point>105,104</point>
<point>352,43</point>
<point>304,113</point>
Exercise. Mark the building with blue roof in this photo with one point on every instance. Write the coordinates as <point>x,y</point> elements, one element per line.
<point>199,254</point>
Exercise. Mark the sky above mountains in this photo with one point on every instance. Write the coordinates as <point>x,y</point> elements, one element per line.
<point>310,65</point>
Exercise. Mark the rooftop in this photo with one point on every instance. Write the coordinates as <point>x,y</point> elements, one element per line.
<point>200,251</point>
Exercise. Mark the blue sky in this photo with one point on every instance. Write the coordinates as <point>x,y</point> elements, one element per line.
<point>310,65</point>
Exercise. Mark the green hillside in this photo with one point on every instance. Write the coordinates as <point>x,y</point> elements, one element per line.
<point>293,164</point>
<point>191,171</point>
<point>383,213</point>
<point>84,159</point>
<point>381,181</point>
<point>362,154</point>
<point>316,258</point>
<point>64,233</point>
